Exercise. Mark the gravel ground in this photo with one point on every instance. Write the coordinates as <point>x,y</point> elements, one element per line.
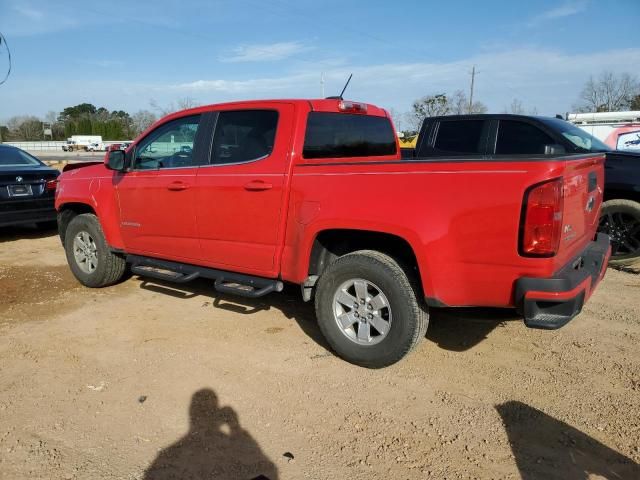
<point>148,381</point>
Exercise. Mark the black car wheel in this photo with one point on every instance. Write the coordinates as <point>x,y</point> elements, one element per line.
<point>620,219</point>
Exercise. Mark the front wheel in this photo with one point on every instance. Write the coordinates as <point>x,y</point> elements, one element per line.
<point>620,219</point>
<point>88,254</point>
<point>369,310</point>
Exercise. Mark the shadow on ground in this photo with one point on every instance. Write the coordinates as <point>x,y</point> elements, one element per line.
<point>451,329</point>
<point>459,329</point>
<point>289,302</point>
<point>216,446</point>
<point>18,232</point>
<point>544,447</point>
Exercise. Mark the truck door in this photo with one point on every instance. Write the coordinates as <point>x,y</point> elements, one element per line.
<point>240,193</point>
<point>157,197</point>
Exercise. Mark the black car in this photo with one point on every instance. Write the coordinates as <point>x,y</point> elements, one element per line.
<point>27,189</point>
<point>496,136</point>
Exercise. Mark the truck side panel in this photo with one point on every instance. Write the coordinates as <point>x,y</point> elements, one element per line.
<point>461,219</point>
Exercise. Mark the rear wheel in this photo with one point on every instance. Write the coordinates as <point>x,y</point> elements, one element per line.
<point>369,310</point>
<point>89,256</point>
<point>620,219</point>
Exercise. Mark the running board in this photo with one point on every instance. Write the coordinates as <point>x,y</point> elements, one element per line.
<point>225,282</point>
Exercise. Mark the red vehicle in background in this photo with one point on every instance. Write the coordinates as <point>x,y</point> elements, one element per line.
<point>315,192</point>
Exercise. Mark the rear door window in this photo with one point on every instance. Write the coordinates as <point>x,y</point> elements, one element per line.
<point>341,135</point>
<point>244,136</point>
<point>521,138</point>
<point>460,137</point>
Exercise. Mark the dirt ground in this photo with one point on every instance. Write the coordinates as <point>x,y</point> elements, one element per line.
<point>146,381</point>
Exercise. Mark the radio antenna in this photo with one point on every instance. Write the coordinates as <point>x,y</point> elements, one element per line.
<point>345,86</point>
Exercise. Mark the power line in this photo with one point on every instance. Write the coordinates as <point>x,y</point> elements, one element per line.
<point>3,39</point>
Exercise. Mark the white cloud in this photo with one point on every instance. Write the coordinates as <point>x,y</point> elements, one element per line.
<point>565,10</point>
<point>549,80</point>
<point>264,52</point>
<point>546,79</point>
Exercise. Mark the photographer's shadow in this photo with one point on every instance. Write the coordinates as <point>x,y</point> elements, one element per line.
<point>216,446</point>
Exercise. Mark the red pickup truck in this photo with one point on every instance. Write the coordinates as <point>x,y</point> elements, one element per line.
<point>315,192</point>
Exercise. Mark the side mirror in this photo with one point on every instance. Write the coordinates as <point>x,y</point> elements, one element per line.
<point>115,160</point>
<point>554,149</point>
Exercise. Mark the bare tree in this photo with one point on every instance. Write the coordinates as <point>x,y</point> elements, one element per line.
<point>441,104</point>
<point>516,107</point>
<point>25,128</point>
<point>397,119</point>
<point>181,104</point>
<point>51,117</point>
<point>142,120</point>
<point>608,93</point>
<point>459,103</point>
<point>186,102</point>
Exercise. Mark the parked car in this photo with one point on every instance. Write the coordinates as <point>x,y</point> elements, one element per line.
<point>620,217</point>
<point>498,136</point>
<point>27,188</point>
<point>314,193</point>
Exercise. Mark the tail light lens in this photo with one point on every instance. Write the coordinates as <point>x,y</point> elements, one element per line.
<point>541,223</point>
<point>51,185</point>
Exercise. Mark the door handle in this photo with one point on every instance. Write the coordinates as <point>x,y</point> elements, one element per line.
<point>177,186</point>
<point>257,185</point>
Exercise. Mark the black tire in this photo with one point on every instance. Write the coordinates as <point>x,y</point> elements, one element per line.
<point>408,311</point>
<point>620,219</point>
<point>110,267</point>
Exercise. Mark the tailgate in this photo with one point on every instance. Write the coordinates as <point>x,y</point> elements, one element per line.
<point>582,192</point>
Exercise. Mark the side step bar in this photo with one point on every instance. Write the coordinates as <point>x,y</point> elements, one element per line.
<point>225,282</point>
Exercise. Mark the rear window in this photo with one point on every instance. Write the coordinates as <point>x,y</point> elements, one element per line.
<point>521,138</point>
<point>13,157</point>
<point>460,137</point>
<point>339,135</point>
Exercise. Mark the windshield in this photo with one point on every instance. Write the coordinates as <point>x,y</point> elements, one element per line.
<point>583,141</point>
<point>14,157</point>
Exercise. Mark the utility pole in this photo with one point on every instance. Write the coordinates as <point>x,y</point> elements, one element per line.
<point>322,83</point>
<point>473,78</point>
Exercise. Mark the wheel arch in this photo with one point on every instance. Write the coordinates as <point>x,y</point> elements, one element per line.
<point>67,212</point>
<point>330,244</point>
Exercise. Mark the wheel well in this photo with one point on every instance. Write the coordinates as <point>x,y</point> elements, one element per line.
<point>331,244</point>
<point>621,195</point>
<point>67,212</point>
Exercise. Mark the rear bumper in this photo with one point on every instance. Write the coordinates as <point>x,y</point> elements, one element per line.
<point>551,303</point>
<point>36,212</point>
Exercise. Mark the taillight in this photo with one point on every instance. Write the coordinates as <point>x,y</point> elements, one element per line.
<point>352,107</point>
<point>50,185</point>
<point>541,222</point>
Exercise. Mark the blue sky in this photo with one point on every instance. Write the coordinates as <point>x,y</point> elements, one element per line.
<point>124,54</point>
